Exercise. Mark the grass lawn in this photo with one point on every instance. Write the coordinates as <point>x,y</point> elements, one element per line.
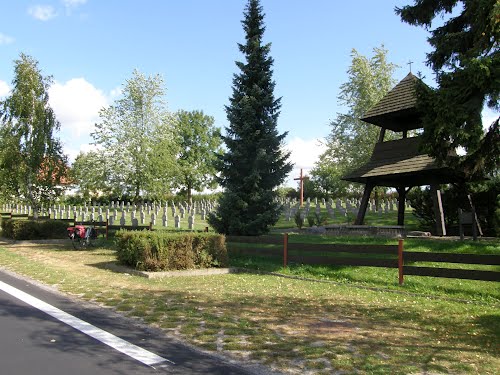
<point>294,325</point>
<point>469,290</point>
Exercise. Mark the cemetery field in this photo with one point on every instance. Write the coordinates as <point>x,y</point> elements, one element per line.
<point>371,218</point>
<point>293,325</point>
<point>182,216</point>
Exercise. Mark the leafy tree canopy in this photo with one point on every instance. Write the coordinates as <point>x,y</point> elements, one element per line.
<point>32,164</point>
<point>136,137</point>
<point>351,141</point>
<point>199,144</point>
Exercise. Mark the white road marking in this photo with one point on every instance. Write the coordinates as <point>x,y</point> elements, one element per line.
<point>134,351</point>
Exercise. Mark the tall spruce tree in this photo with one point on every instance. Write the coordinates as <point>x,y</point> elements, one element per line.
<point>254,163</point>
<point>466,60</point>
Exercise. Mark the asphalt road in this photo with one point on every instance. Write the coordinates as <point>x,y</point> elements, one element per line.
<point>33,342</point>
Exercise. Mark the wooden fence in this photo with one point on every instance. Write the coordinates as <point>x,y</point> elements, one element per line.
<point>388,256</point>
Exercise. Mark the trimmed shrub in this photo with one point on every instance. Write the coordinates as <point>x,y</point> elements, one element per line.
<point>33,230</point>
<point>161,250</point>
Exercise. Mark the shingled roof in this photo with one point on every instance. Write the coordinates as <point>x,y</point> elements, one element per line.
<point>400,163</point>
<point>397,109</point>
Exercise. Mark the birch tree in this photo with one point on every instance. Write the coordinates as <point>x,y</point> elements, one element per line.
<point>351,141</point>
<point>135,135</point>
<point>32,164</point>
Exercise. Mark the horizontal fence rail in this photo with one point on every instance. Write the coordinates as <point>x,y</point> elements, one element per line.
<point>452,273</point>
<point>387,256</point>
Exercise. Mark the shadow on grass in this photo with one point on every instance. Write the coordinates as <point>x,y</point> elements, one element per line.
<point>384,278</point>
<point>375,338</point>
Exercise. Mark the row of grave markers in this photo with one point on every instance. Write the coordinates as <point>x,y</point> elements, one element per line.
<point>161,211</point>
<point>342,207</point>
<point>117,213</point>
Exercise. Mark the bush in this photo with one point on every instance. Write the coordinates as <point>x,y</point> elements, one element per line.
<point>33,230</point>
<point>311,220</point>
<point>299,220</point>
<point>160,250</point>
<point>317,219</point>
<point>485,196</point>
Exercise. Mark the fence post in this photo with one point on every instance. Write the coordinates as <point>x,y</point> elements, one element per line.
<point>285,250</point>
<point>400,261</point>
<point>107,224</point>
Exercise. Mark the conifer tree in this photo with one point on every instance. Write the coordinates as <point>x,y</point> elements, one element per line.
<point>254,163</point>
<point>466,60</point>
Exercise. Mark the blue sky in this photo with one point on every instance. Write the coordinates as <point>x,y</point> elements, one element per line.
<point>91,47</point>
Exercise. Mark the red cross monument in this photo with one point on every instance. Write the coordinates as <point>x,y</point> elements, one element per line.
<point>301,179</point>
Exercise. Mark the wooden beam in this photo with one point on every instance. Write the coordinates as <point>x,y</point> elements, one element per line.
<point>401,204</point>
<point>381,135</point>
<point>438,210</point>
<point>364,204</point>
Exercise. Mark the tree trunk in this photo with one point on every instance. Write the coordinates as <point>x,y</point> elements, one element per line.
<point>189,195</point>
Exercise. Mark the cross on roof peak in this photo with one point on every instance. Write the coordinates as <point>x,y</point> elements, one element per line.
<point>409,63</point>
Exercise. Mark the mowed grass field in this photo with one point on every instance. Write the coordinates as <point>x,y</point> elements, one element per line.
<point>355,320</point>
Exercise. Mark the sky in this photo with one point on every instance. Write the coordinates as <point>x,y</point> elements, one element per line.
<point>90,47</point>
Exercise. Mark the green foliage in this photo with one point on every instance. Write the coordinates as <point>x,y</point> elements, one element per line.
<point>485,197</point>
<point>311,220</point>
<point>91,174</point>
<point>351,141</point>
<point>161,250</point>
<point>254,163</point>
<point>33,230</point>
<point>299,220</point>
<point>317,219</point>
<point>32,164</point>
<point>286,192</point>
<point>136,135</point>
<point>199,144</point>
<point>466,60</point>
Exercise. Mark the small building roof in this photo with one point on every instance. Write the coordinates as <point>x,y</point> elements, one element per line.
<point>401,163</point>
<point>397,109</point>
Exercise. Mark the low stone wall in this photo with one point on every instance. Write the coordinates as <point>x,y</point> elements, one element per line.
<point>392,231</point>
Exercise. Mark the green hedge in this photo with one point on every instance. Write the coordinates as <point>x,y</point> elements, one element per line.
<point>162,251</point>
<point>33,230</point>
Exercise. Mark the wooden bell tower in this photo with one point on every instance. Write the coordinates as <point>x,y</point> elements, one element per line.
<point>399,163</point>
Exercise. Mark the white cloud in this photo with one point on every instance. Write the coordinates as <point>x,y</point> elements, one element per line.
<point>42,12</point>
<point>72,152</point>
<point>4,89</point>
<point>73,3</point>
<point>305,153</point>
<point>5,39</point>
<point>76,104</point>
